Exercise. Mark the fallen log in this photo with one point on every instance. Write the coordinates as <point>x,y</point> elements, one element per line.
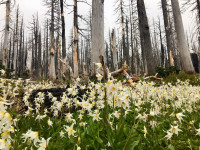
<point>57,93</point>
<point>123,70</point>
<point>153,77</point>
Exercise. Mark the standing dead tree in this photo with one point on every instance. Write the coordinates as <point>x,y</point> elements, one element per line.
<point>168,32</point>
<point>182,43</point>
<point>52,6</point>
<point>6,36</point>
<point>194,5</point>
<point>114,50</point>
<point>63,34</point>
<point>121,11</point>
<point>76,68</point>
<point>97,50</point>
<point>147,54</point>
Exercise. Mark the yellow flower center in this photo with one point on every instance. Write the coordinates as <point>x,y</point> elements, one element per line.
<point>43,146</point>
<point>9,145</point>
<point>96,116</point>
<point>174,129</point>
<point>36,134</point>
<point>8,115</point>
<point>115,102</point>
<point>2,141</point>
<point>85,105</point>
<point>109,82</point>
<point>70,130</point>
<point>113,88</point>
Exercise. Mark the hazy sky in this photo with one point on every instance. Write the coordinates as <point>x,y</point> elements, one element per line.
<point>31,7</point>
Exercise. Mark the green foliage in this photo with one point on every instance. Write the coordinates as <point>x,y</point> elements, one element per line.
<point>164,72</point>
<point>120,78</point>
<point>192,79</point>
<point>25,74</point>
<point>173,74</point>
<point>1,65</point>
<point>8,71</point>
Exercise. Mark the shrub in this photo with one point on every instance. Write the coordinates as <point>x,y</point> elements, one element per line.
<point>164,72</point>
<point>182,76</point>
<point>8,71</point>
<point>25,74</point>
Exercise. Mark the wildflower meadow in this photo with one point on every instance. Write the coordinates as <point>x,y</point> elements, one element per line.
<point>107,116</point>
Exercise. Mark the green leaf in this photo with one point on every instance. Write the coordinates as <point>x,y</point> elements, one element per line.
<point>126,130</point>
<point>171,147</point>
<point>99,140</point>
<point>119,133</point>
<point>132,145</point>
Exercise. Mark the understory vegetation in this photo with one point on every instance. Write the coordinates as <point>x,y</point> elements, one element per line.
<point>110,115</point>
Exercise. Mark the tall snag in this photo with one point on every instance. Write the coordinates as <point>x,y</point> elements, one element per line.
<point>168,32</point>
<point>182,42</point>
<point>97,50</point>
<point>52,70</point>
<point>63,35</point>
<point>75,40</point>
<point>114,50</point>
<point>6,36</point>
<point>147,54</point>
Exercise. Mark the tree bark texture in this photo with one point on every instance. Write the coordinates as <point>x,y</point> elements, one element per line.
<point>168,32</point>
<point>114,50</point>
<point>148,59</point>
<point>6,36</point>
<point>182,42</point>
<point>52,70</point>
<point>97,33</point>
<point>75,40</point>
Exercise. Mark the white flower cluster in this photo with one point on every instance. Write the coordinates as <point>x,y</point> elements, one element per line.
<point>6,125</point>
<point>33,136</point>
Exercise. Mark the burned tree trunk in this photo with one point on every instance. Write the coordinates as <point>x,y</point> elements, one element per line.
<point>168,32</point>
<point>47,50</point>
<point>145,39</point>
<point>20,51</point>
<point>114,50</point>
<point>75,40</point>
<point>32,56</point>
<point>125,51</point>
<point>10,53</point>
<point>127,43</point>
<point>6,36</point>
<point>52,71</point>
<point>198,9</point>
<point>36,26</point>
<point>182,43</point>
<point>15,48</point>
<point>63,34</point>
<point>131,25</point>
<point>63,30</point>
<point>39,55</point>
<point>97,33</point>
<point>107,55</point>
<point>162,47</point>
